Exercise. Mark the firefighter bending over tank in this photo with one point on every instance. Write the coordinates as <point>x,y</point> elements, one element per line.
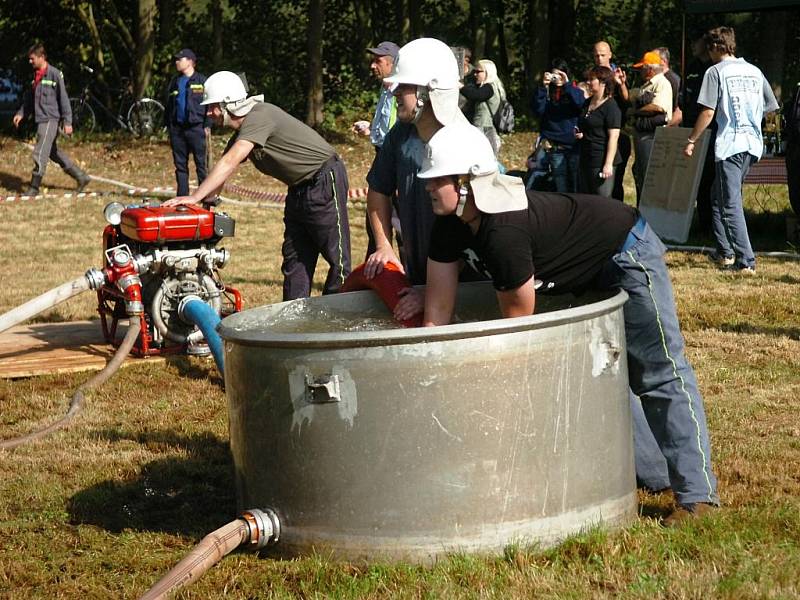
<point>315,216</point>
<point>538,243</point>
<point>48,103</point>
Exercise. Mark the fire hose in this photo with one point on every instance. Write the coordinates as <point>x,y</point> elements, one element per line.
<point>77,398</point>
<point>256,528</point>
<point>41,303</point>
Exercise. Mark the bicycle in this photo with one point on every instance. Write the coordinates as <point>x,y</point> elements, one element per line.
<point>144,116</point>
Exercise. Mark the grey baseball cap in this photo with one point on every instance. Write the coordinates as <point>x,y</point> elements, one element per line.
<point>385,49</point>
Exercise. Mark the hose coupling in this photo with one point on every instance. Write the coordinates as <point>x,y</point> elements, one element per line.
<point>182,307</point>
<point>264,526</point>
<point>96,278</point>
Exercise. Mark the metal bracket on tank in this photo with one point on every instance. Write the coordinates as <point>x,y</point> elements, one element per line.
<point>322,389</point>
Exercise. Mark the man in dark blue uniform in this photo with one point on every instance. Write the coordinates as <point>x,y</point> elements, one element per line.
<point>186,120</point>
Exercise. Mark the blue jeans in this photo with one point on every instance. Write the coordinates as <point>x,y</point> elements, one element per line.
<point>658,370</point>
<point>564,167</point>
<point>727,210</point>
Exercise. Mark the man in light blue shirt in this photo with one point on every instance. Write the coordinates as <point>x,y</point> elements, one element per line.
<point>381,65</point>
<point>736,95</point>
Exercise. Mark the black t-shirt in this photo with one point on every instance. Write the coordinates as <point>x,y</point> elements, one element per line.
<point>562,239</point>
<point>595,125</point>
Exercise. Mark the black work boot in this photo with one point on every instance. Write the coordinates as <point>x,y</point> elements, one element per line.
<point>33,188</point>
<point>82,178</point>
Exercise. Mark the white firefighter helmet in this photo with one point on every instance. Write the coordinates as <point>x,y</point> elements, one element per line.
<point>224,87</point>
<point>458,149</point>
<point>461,149</point>
<point>426,62</point>
<point>430,65</point>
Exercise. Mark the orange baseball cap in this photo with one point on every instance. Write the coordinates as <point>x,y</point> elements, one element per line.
<point>649,58</point>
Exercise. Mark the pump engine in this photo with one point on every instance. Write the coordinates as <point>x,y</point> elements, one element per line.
<point>157,258</point>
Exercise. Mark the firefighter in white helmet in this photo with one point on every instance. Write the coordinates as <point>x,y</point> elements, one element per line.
<point>427,82</point>
<point>538,243</point>
<point>278,145</point>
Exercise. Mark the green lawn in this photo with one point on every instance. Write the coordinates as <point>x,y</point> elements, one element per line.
<point>106,507</point>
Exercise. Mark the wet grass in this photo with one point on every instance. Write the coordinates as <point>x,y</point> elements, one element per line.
<point>106,507</point>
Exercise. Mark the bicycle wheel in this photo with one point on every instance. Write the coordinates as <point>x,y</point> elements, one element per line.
<point>83,119</point>
<point>146,117</point>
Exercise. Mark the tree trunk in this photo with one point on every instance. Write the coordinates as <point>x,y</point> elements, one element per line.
<point>315,98</point>
<point>364,29</point>
<point>538,25</point>
<point>641,24</point>
<point>562,20</point>
<point>145,47</point>
<point>414,19</point>
<point>477,30</point>
<point>773,49</point>
<point>166,23</point>
<point>403,24</point>
<point>502,47</point>
<point>216,33</point>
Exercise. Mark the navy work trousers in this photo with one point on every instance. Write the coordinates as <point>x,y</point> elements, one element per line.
<point>315,222</point>
<point>186,140</point>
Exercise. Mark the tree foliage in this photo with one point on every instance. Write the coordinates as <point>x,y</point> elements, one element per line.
<point>309,55</point>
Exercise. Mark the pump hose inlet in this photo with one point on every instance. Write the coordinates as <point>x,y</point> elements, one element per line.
<point>254,527</point>
<point>77,398</point>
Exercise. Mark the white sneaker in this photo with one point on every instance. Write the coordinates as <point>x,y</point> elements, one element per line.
<point>722,261</point>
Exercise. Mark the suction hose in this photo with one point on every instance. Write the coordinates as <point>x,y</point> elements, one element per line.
<point>387,284</point>
<point>47,300</point>
<point>193,310</point>
<point>254,527</point>
<point>77,398</point>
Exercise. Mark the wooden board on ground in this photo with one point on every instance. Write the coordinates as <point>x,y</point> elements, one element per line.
<point>670,185</point>
<point>44,348</point>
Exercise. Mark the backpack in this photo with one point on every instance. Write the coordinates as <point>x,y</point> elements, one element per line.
<point>503,119</point>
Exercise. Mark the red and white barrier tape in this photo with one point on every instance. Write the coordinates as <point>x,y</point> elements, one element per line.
<point>264,196</point>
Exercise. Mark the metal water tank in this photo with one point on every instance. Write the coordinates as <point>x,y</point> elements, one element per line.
<point>407,444</point>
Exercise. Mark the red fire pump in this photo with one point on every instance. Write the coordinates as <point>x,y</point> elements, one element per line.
<point>156,257</point>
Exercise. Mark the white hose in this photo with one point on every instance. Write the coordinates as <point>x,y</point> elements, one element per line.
<point>47,300</point>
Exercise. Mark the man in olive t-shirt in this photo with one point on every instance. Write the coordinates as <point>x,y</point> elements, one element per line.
<point>315,216</point>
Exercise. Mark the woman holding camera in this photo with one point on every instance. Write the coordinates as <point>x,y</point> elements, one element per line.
<point>485,94</point>
<point>557,103</point>
<point>597,134</point>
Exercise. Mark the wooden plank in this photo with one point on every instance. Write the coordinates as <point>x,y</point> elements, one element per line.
<point>44,348</point>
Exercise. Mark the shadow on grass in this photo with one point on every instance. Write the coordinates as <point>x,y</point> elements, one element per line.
<point>190,495</point>
<point>192,370</point>
<point>767,231</point>
<point>11,182</point>
<point>790,332</point>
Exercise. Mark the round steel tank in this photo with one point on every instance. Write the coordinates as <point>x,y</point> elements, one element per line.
<point>407,444</point>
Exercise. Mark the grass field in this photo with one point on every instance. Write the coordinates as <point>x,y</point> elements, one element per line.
<point>106,507</point>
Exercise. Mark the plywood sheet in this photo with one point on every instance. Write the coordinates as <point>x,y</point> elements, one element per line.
<point>42,348</point>
<point>670,185</point>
